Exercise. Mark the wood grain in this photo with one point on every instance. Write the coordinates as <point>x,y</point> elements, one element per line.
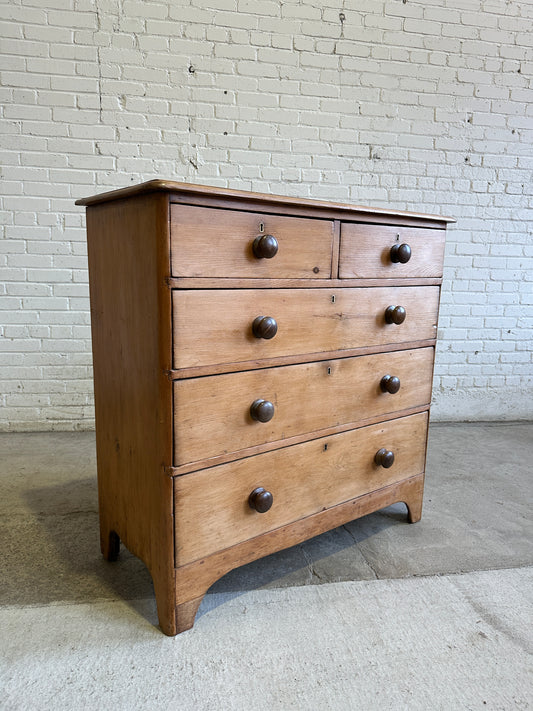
<point>218,243</point>
<point>213,283</point>
<point>287,442</point>
<point>365,252</point>
<point>212,414</point>
<point>193,580</point>
<point>336,248</point>
<point>185,614</point>
<point>211,506</point>
<point>214,327</point>
<point>128,248</point>
<point>241,199</point>
<point>325,211</point>
<point>202,370</point>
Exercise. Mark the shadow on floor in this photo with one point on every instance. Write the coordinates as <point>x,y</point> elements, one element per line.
<point>477,516</point>
<point>52,554</point>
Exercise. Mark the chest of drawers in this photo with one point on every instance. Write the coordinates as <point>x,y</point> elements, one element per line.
<point>262,373</point>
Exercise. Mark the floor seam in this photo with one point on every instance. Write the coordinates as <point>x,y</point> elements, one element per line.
<point>376,576</point>
<point>310,567</point>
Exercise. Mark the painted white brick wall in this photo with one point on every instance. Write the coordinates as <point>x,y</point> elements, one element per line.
<point>421,105</point>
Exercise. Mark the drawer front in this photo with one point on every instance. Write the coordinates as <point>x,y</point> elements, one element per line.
<point>207,242</point>
<point>215,415</point>
<point>215,326</point>
<point>211,506</point>
<point>365,252</point>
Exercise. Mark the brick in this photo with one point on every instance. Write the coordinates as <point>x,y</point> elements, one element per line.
<point>141,9</point>
<point>424,27</point>
<point>302,12</point>
<point>76,20</point>
<point>76,84</point>
<point>24,48</point>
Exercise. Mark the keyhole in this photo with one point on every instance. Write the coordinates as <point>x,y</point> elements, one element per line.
<point>262,227</point>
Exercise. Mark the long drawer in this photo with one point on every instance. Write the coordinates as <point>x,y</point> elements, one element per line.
<point>218,414</point>
<point>208,242</point>
<point>216,326</point>
<point>365,252</point>
<point>212,510</point>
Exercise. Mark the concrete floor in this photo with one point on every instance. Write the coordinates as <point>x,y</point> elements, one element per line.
<point>377,613</point>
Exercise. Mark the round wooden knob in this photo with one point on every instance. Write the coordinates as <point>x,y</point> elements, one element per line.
<point>262,410</point>
<point>265,247</point>
<point>264,327</point>
<point>400,253</point>
<point>384,458</point>
<point>395,314</point>
<point>390,384</point>
<point>260,500</point>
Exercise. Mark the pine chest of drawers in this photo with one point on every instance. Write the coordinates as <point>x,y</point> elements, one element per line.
<point>262,373</point>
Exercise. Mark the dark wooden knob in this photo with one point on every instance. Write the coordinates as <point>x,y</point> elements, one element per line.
<point>384,458</point>
<point>260,500</point>
<point>395,314</point>
<point>400,253</point>
<point>264,327</point>
<point>390,384</point>
<point>262,410</point>
<point>265,246</point>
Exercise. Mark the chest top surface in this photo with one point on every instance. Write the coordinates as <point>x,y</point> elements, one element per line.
<point>183,191</point>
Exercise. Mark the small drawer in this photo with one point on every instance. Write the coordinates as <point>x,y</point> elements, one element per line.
<point>212,510</point>
<point>218,414</point>
<point>216,327</point>
<point>210,242</point>
<point>380,252</point>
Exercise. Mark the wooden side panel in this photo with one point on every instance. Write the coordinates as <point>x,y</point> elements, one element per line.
<point>209,242</point>
<point>212,511</point>
<point>128,245</point>
<point>212,414</point>
<point>365,252</point>
<point>215,326</point>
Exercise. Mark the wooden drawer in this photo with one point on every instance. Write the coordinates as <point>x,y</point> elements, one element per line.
<point>211,506</point>
<point>212,414</point>
<point>210,242</point>
<point>215,326</point>
<point>365,252</point>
